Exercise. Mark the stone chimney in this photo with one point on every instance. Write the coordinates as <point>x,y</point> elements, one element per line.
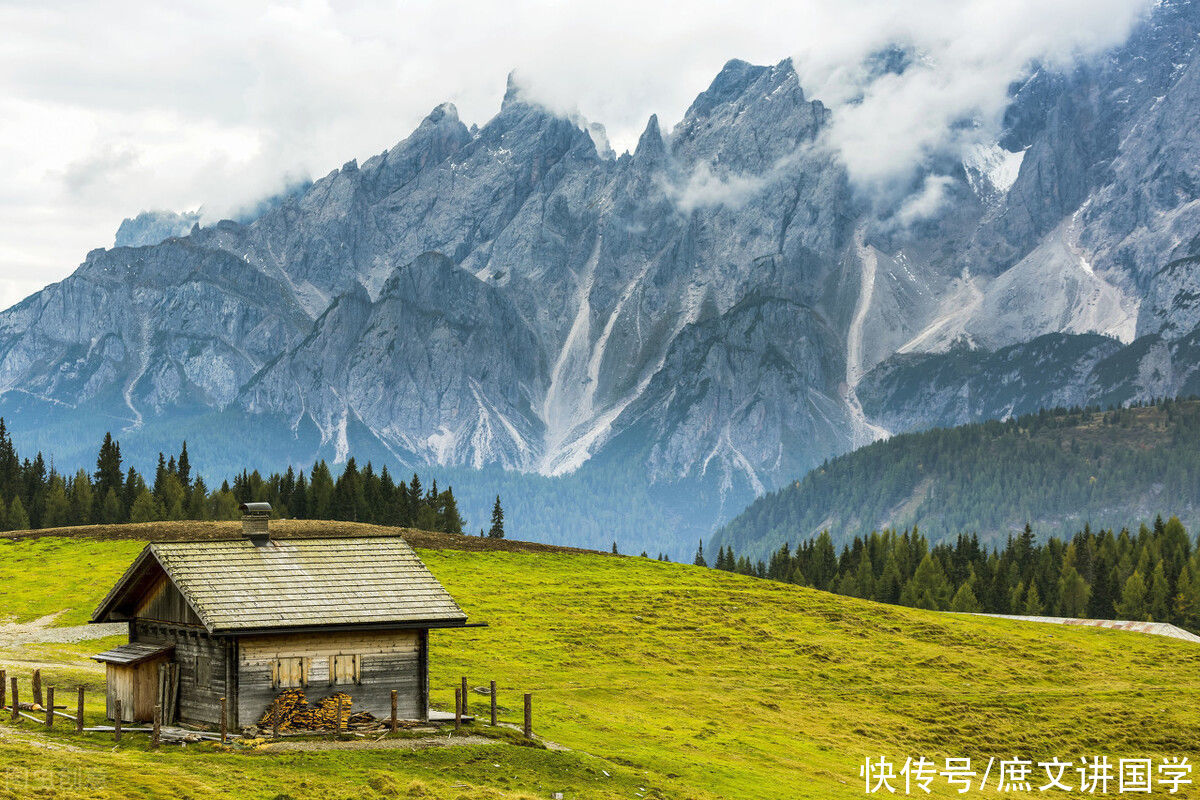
<point>256,519</point>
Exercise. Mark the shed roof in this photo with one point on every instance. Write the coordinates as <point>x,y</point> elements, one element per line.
<point>237,586</point>
<point>134,653</point>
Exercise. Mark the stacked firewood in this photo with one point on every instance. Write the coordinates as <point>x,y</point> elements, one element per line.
<point>297,714</point>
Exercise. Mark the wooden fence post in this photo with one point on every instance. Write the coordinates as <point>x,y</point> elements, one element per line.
<point>37,687</point>
<point>457,708</point>
<point>49,706</point>
<point>157,730</point>
<point>224,721</point>
<point>3,688</point>
<point>394,722</point>
<point>464,696</point>
<point>79,713</point>
<point>528,716</point>
<point>493,704</point>
<point>117,721</point>
<point>16,701</point>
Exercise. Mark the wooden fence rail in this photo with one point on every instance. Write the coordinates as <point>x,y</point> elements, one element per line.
<point>10,699</point>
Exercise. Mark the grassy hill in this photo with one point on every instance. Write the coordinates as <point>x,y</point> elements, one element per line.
<point>1056,470</point>
<point>661,680</point>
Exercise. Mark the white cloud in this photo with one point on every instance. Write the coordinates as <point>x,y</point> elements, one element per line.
<point>704,189</point>
<point>925,202</point>
<point>113,107</point>
<point>967,55</point>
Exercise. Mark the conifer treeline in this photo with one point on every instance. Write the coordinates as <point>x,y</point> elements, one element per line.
<point>1056,468</point>
<point>1152,574</point>
<point>33,495</point>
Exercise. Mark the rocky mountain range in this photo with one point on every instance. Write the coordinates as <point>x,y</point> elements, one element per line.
<point>707,316</point>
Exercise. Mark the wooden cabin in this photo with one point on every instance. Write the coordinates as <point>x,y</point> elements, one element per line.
<point>247,617</point>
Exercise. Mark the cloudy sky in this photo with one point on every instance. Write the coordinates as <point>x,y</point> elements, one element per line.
<point>110,108</point>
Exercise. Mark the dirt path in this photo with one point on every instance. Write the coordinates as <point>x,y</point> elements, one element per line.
<point>15,634</point>
<point>424,743</point>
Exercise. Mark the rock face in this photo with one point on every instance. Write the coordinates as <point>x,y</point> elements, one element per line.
<point>153,227</point>
<point>715,309</point>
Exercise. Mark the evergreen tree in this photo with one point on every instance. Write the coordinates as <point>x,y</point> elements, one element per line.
<point>864,579</point>
<point>1033,602</point>
<point>110,508</point>
<point>82,500</point>
<point>134,484</point>
<point>18,519</point>
<point>172,498</point>
<point>1184,603</point>
<point>964,599</point>
<point>58,507</point>
<point>108,468</point>
<point>1132,605</point>
<point>1016,600</point>
<point>846,585</point>
<point>145,508</point>
<point>197,504</point>
<point>824,562</point>
<point>184,469</point>
<point>348,497</point>
<point>890,583</point>
<point>928,587</point>
<point>1073,593</point>
<point>730,560</point>
<point>159,474</point>
<point>1159,597</point>
<point>449,520</point>
<point>497,529</point>
<point>427,518</point>
<point>320,492</point>
<point>697,561</point>
<point>224,504</point>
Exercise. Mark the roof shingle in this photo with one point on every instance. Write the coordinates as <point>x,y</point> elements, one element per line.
<point>237,586</point>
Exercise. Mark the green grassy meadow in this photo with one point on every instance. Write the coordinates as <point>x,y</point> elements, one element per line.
<point>662,680</point>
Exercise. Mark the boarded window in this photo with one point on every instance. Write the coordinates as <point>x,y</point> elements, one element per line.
<point>344,669</point>
<point>289,673</point>
<point>203,671</point>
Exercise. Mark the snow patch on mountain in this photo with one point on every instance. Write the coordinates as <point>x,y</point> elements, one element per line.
<point>991,171</point>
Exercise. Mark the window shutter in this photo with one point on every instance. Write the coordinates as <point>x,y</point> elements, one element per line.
<point>289,673</point>
<point>344,669</point>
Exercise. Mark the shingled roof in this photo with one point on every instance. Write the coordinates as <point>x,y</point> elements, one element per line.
<point>236,586</point>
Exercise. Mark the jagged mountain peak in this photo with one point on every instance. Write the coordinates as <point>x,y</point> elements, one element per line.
<point>152,227</point>
<point>713,312</point>
<point>729,84</point>
<point>650,144</point>
<point>512,92</point>
<point>442,112</point>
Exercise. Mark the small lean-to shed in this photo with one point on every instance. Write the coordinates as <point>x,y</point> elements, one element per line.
<point>132,677</point>
<point>248,617</point>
